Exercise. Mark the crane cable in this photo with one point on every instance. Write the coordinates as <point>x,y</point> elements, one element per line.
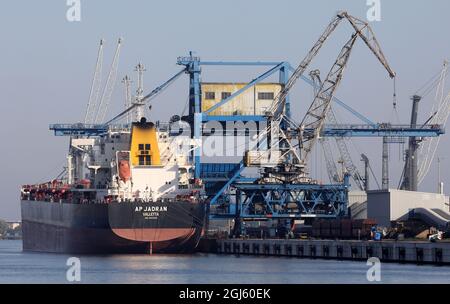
<point>148,97</point>
<point>394,115</point>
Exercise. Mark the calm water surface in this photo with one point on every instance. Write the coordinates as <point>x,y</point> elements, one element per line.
<point>22,267</point>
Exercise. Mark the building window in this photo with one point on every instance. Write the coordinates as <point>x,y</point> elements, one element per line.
<point>144,147</point>
<point>210,95</point>
<point>265,95</point>
<point>145,160</point>
<point>225,95</point>
<point>144,155</point>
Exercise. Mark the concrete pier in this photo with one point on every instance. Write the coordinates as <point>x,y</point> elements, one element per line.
<point>387,251</point>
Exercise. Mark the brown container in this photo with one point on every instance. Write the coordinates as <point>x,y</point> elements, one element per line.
<point>316,233</point>
<point>316,225</point>
<point>357,224</point>
<point>346,228</point>
<point>369,222</point>
<point>335,224</point>
<point>325,228</point>
<point>335,232</point>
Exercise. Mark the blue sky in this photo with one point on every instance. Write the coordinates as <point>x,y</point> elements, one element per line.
<point>46,65</point>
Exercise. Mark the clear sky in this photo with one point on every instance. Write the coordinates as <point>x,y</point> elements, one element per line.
<point>46,66</point>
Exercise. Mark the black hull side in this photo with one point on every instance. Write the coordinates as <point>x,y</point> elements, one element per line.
<point>84,229</point>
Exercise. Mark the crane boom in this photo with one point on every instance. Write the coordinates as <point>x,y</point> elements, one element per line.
<point>127,83</point>
<point>345,155</point>
<point>310,128</point>
<point>369,38</point>
<point>109,86</point>
<point>332,170</point>
<point>278,106</point>
<point>95,87</point>
<point>149,96</point>
<point>325,142</point>
<point>315,116</point>
<point>359,26</point>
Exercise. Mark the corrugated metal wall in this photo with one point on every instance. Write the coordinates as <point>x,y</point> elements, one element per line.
<point>246,103</point>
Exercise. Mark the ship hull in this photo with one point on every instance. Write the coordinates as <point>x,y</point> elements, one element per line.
<point>110,228</point>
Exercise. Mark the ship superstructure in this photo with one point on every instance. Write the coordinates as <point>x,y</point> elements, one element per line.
<point>122,164</point>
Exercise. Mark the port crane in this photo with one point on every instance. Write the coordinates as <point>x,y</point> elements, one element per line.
<point>285,190</point>
<point>289,159</point>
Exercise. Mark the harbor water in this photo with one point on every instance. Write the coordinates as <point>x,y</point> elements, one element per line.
<point>24,267</point>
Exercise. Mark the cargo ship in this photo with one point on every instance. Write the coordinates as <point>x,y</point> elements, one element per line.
<point>129,190</point>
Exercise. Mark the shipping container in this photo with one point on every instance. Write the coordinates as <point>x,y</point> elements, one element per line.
<point>325,228</point>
